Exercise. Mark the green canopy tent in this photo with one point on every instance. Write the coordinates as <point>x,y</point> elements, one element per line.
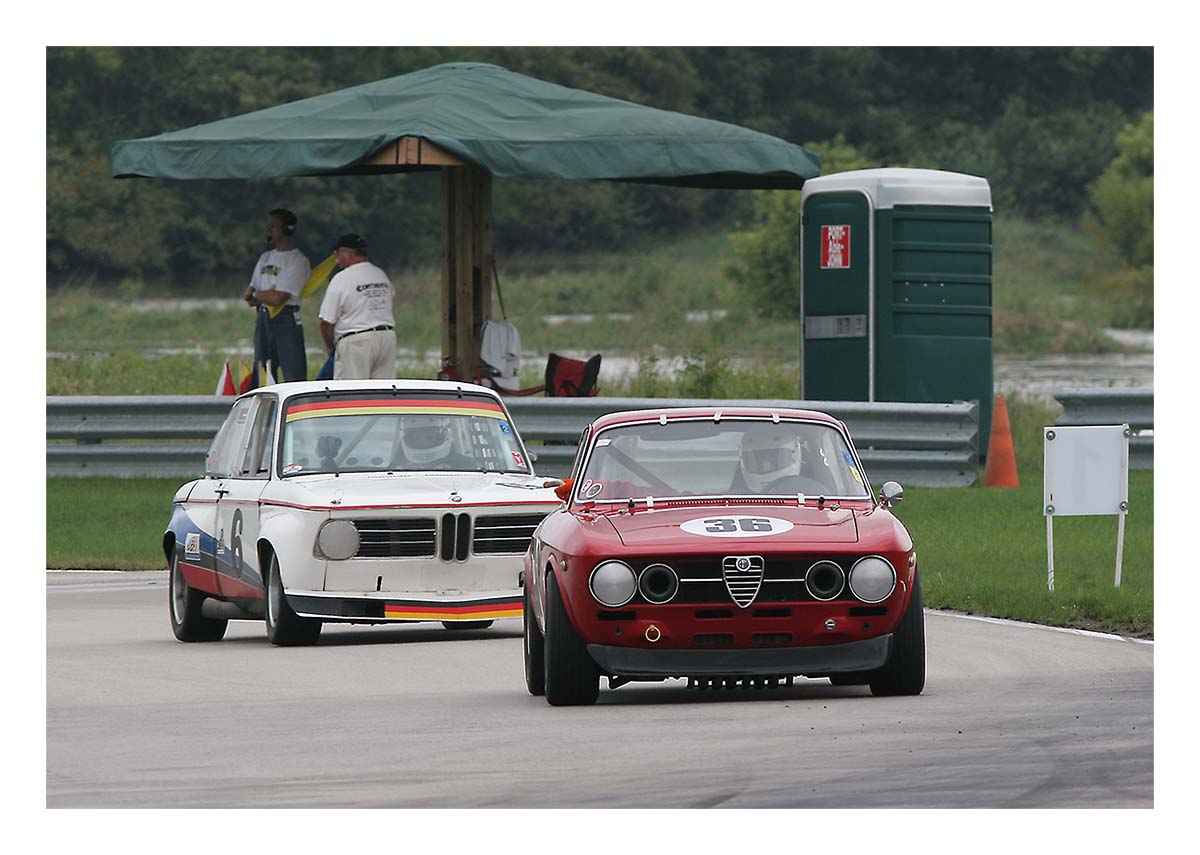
<point>471,121</point>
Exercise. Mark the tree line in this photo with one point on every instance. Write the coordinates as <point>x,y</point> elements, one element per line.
<point>1043,125</point>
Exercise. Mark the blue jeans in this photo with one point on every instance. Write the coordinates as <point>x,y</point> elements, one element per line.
<point>280,340</point>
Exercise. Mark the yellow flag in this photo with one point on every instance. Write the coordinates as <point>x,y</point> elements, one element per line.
<point>317,279</point>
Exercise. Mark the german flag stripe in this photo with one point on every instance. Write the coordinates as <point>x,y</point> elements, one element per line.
<point>484,412</point>
<point>473,611</point>
<point>474,404</point>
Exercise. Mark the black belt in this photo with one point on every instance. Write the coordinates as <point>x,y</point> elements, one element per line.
<point>379,328</point>
<point>286,308</point>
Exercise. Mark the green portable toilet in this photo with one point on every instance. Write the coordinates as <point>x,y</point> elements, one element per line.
<point>896,288</point>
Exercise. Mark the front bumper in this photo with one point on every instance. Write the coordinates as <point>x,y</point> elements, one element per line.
<point>814,660</point>
<point>386,608</point>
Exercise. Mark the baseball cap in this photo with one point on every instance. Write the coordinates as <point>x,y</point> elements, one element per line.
<point>351,241</point>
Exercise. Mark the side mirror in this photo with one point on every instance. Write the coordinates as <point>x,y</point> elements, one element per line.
<point>890,494</point>
<point>563,490</point>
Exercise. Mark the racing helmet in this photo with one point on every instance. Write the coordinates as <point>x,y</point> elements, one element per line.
<point>425,439</point>
<point>768,453</point>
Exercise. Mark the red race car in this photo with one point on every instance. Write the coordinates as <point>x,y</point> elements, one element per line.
<point>730,547</point>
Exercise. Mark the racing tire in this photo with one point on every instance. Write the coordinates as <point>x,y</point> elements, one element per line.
<point>186,609</point>
<point>535,650</point>
<point>284,627</point>
<point>904,672</point>
<point>571,675</point>
<point>467,624</point>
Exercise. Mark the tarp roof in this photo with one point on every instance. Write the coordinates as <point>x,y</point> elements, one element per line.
<point>512,125</point>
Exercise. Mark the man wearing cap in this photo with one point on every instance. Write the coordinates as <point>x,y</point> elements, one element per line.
<point>274,292</point>
<point>356,316</point>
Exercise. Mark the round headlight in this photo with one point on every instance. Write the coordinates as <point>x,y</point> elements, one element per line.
<point>613,583</point>
<point>872,579</point>
<point>338,539</point>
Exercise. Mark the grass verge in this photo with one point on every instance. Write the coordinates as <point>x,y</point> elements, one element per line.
<point>980,550</point>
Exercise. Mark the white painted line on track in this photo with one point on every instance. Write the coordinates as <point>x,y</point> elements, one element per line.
<point>1027,625</point>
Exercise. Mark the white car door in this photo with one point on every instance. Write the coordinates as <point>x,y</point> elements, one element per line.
<point>237,518</point>
<point>199,551</point>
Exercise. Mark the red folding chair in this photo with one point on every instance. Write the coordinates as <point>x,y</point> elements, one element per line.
<point>571,378</point>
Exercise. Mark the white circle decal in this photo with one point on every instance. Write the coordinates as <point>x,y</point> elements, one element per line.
<point>736,526</point>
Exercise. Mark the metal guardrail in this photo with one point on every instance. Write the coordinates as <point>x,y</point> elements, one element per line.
<point>915,444</point>
<point>1113,406</point>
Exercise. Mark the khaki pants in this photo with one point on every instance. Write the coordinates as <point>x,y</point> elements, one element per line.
<point>366,356</point>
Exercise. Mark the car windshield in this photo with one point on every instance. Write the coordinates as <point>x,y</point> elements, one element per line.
<point>410,432</point>
<point>732,457</point>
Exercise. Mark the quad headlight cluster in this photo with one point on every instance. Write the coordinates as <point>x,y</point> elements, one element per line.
<point>613,583</point>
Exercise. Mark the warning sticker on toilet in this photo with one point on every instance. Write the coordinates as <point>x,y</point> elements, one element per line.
<point>835,247</point>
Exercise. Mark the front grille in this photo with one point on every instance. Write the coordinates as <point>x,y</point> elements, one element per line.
<point>396,538</point>
<point>456,537</point>
<point>504,535</point>
<point>702,580</point>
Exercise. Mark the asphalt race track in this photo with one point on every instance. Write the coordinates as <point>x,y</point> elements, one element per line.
<point>416,716</point>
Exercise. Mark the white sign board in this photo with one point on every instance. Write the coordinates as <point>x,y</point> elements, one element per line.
<point>1085,473</point>
<point>1086,470</point>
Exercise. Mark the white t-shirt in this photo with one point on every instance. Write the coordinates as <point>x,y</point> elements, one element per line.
<point>281,271</point>
<point>358,298</point>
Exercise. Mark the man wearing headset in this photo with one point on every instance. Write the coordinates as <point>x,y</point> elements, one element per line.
<point>274,292</point>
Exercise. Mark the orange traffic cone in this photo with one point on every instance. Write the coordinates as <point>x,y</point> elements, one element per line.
<point>1001,469</point>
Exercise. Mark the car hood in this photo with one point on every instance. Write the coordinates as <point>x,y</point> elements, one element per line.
<point>414,489</point>
<point>698,527</point>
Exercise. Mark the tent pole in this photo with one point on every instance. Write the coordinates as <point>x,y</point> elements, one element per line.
<point>466,267</point>
<point>448,265</point>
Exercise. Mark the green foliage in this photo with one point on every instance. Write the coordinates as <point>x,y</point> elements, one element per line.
<point>1129,292</point>
<point>1121,221</point>
<point>1123,196</point>
<point>768,268</point>
<point>1039,123</point>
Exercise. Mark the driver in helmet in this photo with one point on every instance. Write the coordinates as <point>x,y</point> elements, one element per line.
<point>427,444</point>
<point>768,454</point>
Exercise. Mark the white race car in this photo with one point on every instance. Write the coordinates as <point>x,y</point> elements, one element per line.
<point>355,501</point>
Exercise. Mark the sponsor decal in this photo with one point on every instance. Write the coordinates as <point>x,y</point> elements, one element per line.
<point>600,443</point>
<point>736,526</point>
<point>850,465</point>
<point>835,247</point>
<point>370,406</point>
<point>504,428</point>
<point>593,490</point>
<point>293,468</point>
<point>518,459</point>
<point>191,545</point>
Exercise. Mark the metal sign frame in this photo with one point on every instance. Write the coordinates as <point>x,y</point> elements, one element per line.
<point>1093,503</point>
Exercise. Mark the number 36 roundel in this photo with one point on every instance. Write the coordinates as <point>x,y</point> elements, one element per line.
<point>736,526</point>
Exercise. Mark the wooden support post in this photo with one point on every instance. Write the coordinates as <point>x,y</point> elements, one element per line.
<point>467,258</point>
<point>448,271</point>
